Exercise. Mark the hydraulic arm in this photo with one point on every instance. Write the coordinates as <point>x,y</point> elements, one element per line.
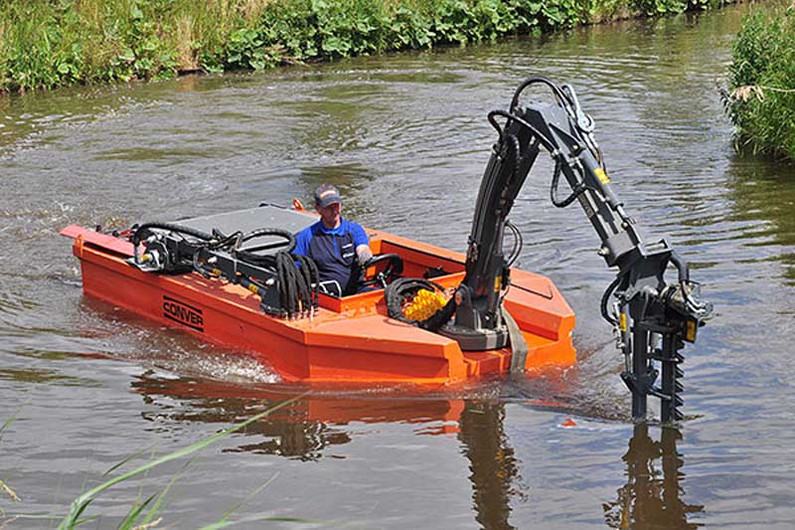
<point>652,317</point>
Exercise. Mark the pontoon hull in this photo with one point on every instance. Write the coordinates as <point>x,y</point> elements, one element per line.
<point>350,339</point>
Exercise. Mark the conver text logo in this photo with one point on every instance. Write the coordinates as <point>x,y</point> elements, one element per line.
<point>183,313</point>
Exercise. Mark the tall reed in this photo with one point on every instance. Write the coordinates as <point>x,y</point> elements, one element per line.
<point>5,488</point>
<point>762,83</point>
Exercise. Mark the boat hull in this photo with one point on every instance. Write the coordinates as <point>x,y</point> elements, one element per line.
<point>351,339</point>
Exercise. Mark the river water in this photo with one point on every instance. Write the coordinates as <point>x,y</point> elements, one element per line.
<point>405,138</point>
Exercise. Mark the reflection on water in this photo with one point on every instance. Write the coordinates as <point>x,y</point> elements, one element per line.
<point>290,432</point>
<point>492,462</point>
<point>763,196</point>
<point>304,428</point>
<point>307,428</point>
<point>48,377</point>
<point>653,494</point>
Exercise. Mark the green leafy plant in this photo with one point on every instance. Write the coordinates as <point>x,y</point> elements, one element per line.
<point>50,43</point>
<point>761,102</point>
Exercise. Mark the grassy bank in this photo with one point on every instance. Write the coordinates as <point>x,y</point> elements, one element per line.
<point>762,83</point>
<point>49,43</point>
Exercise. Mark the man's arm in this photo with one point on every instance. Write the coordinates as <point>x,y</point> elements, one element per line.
<point>362,244</point>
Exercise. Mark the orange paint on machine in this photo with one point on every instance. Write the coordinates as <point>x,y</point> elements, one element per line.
<point>346,339</point>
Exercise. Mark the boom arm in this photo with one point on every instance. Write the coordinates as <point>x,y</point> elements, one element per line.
<point>652,317</point>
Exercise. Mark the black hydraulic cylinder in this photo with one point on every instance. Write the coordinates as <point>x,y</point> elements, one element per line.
<point>505,174</point>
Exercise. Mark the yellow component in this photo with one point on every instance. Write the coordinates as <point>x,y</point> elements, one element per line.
<point>601,175</point>
<point>253,288</point>
<point>424,305</point>
<point>497,282</point>
<point>690,330</point>
<point>622,322</point>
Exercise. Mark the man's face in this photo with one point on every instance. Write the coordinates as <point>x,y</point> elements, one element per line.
<point>330,215</point>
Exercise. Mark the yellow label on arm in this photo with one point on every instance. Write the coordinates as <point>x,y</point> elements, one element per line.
<point>497,282</point>
<point>622,322</point>
<point>690,330</point>
<point>601,175</point>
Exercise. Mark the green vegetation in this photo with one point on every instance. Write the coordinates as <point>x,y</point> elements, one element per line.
<point>49,43</point>
<point>3,486</point>
<point>137,517</point>
<point>762,83</point>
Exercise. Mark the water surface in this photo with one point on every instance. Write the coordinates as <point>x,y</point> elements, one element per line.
<point>405,139</point>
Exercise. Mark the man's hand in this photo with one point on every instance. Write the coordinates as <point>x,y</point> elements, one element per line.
<point>363,254</point>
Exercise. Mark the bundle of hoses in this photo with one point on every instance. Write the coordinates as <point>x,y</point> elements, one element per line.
<point>297,282</point>
<point>296,277</point>
<point>402,290</point>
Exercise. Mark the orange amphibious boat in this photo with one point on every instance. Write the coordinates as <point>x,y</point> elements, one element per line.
<point>438,316</point>
<point>346,339</point>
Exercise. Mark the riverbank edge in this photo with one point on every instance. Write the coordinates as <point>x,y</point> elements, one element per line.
<point>46,44</point>
<point>761,95</point>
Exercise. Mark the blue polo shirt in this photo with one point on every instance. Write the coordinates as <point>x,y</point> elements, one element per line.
<point>334,251</point>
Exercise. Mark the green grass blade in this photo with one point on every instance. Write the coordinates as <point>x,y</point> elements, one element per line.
<point>78,511</point>
<point>86,520</point>
<point>80,503</point>
<point>5,487</point>
<point>225,519</point>
<point>9,421</point>
<point>135,512</point>
<point>224,524</point>
<point>33,517</point>
<point>149,519</point>
<point>120,464</point>
<point>291,520</point>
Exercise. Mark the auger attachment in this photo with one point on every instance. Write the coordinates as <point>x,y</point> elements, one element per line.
<point>653,317</point>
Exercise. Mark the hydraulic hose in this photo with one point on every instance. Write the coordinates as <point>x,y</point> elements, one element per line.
<point>137,236</point>
<point>540,137</point>
<point>266,260</point>
<point>606,299</point>
<point>441,317</point>
<point>145,228</point>
<point>308,269</point>
<point>399,290</point>
<point>681,266</point>
<point>577,190</point>
<point>559,94</point>
<point>518,243</point>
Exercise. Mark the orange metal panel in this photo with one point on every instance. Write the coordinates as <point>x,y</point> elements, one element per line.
<point>349,340</point>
